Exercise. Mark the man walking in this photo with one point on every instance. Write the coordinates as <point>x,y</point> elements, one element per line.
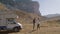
<point>34,23</point>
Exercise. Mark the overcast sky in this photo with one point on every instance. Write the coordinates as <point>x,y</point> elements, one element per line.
<point>49,6</point>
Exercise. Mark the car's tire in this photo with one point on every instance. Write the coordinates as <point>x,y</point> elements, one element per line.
<point>16,29</point>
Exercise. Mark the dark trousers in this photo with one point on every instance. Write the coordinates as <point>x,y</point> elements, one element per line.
<point>33,26</point>
<point>38,26</point>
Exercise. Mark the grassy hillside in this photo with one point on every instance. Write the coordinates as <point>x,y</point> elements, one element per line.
<point>25,17</point>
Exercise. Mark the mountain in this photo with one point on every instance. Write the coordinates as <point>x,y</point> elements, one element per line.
<point>24,17</point>
<point>25,5</point>
<point>52,15</point>
<point>25,9</point>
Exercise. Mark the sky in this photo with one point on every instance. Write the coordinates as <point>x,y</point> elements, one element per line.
<point>49,6</point>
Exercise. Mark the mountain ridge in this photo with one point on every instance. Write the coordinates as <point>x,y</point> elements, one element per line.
<point>52,15</point>
<point>24,17</point>
<point>26,5</point>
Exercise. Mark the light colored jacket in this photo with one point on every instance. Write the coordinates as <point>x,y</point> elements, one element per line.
<point>37,22</point>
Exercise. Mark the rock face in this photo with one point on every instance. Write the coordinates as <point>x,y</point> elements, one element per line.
<point>35,6</point>
<point>26,5</point>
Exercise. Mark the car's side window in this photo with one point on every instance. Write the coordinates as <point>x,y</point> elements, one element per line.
<point>10,21</point>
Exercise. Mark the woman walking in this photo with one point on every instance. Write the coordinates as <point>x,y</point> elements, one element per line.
<point>38,24</point>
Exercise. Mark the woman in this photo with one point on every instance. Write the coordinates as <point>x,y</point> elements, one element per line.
<point>38,24</point>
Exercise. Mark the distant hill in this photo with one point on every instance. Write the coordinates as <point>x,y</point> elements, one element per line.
<point>52,15</point>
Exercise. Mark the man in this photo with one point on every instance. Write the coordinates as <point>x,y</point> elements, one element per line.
<point>34,23</point>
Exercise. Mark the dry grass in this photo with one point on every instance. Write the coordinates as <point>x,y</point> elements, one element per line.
<point>46,28</point>
<point>43,30</point>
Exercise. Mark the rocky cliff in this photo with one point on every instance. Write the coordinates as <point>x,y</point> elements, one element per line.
<point>24,17</point>
<point>25,5</point>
